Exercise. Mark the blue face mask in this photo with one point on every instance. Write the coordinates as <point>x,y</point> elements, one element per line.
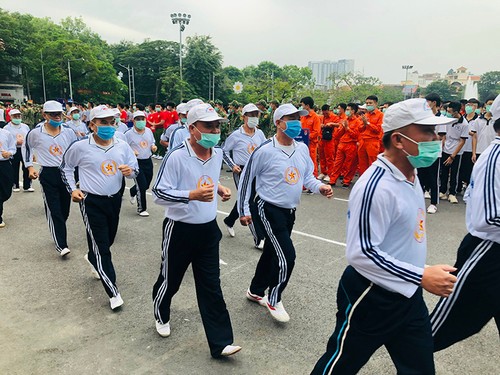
<point>428,153</point>
<point>54,123</point>
<point>208,140</point>
<point>105,132</point>
<point>293,128</point>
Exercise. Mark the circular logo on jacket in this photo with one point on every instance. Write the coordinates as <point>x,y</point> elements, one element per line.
<point>55,150</point>
<point>144,144</point>
<point>108,167</point>
<point>204,181</point>
<point>251,147</point>
<point>419,232</point>
<point>292,175</point>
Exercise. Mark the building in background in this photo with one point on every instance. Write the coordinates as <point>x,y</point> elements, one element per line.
<point>322,71</point>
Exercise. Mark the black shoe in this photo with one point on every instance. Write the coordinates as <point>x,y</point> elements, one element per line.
<point>345,186</point>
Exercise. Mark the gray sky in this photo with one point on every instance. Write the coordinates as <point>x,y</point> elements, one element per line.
<point>431,35</point>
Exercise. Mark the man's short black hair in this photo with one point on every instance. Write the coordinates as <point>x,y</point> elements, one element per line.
<point>308,101</point>
<point>121,105</point>
<point>473,101</point>
<point>353,106</point>
<point>342,105</point>
<point>433,97</point>
<point>140,106</point>
<point>159,105</point>
<point>390,103</point>
<point>372,97</point>
<point>456,106</point>
<point>325,107</point>
<point>463,101</point>
<point>386,139</point>
<point>170,104</point>
<point>496,125</point>
<point>491,97</point>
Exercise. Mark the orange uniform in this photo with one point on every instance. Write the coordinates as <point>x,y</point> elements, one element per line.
<point>313,123</point>
<point>345,158</point>
<point>369,140</point>
<point>327,148</point>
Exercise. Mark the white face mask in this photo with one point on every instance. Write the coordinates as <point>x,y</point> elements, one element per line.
<point>252,122</point>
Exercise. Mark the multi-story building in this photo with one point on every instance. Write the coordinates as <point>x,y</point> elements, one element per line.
<point>322,71</point>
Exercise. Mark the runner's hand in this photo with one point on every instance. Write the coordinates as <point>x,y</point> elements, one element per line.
<point>202,194</point>
<point>33,174</point>
<point>326,190</point>
<point>246,220</point>
<point>224,192</point>
<point>438,280</point>
<point>77,195</point>
<point>125,169</point>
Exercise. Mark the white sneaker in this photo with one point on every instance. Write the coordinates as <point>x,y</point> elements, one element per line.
<point>321,176</point>
<point>255,298</point>
<point>154,156</point>
<point>230,350</point>
<point>427,195</point>
<point>93,271</point>
<point>230,230</point>
<point>432,209</point>
<point>163,329</point>
<point>453,199</point>
<point>16,190</point>
<point>115,302</point>
<point>160,157</point>
<point>278,312</point>
<point>443,196</point>
<point>2,224</point>
<point>64,252</point>
<point>327,179</point>
<point>133,199</point>
<point>31,190</point>
<point>260,246</point>
<point>144,213</point>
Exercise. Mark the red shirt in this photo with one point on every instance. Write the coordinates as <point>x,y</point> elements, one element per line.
<point>152,118</point>
<point>170,117</point>
<point>373,129</point>
<point>7,116</point>
<point>123,116</point>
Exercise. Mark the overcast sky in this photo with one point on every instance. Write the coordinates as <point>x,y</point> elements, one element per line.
<point>431,35</point>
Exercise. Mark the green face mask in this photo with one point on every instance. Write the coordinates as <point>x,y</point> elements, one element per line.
<point>478,111</point>
<point>76,116</point>
<point>428,153</point>
<point>488,108</point>
<point>208,140</point>
<point>348,113</point>
<point>16,121</point>
<point>370,108</point>
<point>140,124</point>
<point>336,111</point>
<point>468,109</point>
<point>184,120</point>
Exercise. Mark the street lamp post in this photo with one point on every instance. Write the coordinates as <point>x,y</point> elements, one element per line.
<point>130,72</point>
<point>182,19</point>
<point>69,75</point>
<point>407,67</point>
<point>43,79</point>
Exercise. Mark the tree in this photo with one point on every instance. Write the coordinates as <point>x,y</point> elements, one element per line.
<point>443,89</point>
<point>489,85</point>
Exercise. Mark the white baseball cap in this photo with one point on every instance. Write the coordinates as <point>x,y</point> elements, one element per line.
<point>494,110</point>
<point>250,107</point>
<point>102,111</point>
<point>362,106</point>
<point>411,111</point>
<point>287,109</point>
<point>182,108</point>
<point>14,111</point>
<point>138,114</point>
<point>192,103</point>
<point>72,109</point>
<point>52,106</point>
<point>203,112</point>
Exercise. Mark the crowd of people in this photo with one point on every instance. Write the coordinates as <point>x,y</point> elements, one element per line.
<point>401,152</point>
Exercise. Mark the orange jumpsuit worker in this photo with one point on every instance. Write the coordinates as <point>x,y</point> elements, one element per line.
<point>370,134</point>
<point>329,122</point>
<point>313,123</point>
<point>347,149</point>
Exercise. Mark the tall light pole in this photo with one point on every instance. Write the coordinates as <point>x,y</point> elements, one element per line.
<point>129,71</point>
<point>43,79</point>
<point>182,19</point>
<point>407,67</point>
<point>69,75</point>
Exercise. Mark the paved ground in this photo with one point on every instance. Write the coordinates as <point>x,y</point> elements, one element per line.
<point>55,319</point>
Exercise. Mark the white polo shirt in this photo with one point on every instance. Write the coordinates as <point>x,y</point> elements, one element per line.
<point>455,132</point>
<point>485,134</point>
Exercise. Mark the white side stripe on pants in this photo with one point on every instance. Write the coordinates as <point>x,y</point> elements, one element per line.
<point>95,249</point>
<point>167,234</point>
<point>444,307</point>
<point>50,221</point>
<point>273,293</point>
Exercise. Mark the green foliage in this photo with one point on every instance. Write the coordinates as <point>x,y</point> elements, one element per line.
<point>443,89</point>
<point>489,85</point>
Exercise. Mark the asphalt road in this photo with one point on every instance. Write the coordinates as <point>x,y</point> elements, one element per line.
<point>55,318</point>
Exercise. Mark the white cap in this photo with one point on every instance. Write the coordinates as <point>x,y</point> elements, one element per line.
<point>494,110</point>
<point>182,108</point>
<point>73,109</point>
<point>192,103</point>
<point>362,106</point>
<point>52,106</point>
<point>14,111</point>
<point>102,111</point>
<point>203,112</point>
<point>139,113</point>
<point>250,107</point>
<point>287,109</point>
<point>411,111</point>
